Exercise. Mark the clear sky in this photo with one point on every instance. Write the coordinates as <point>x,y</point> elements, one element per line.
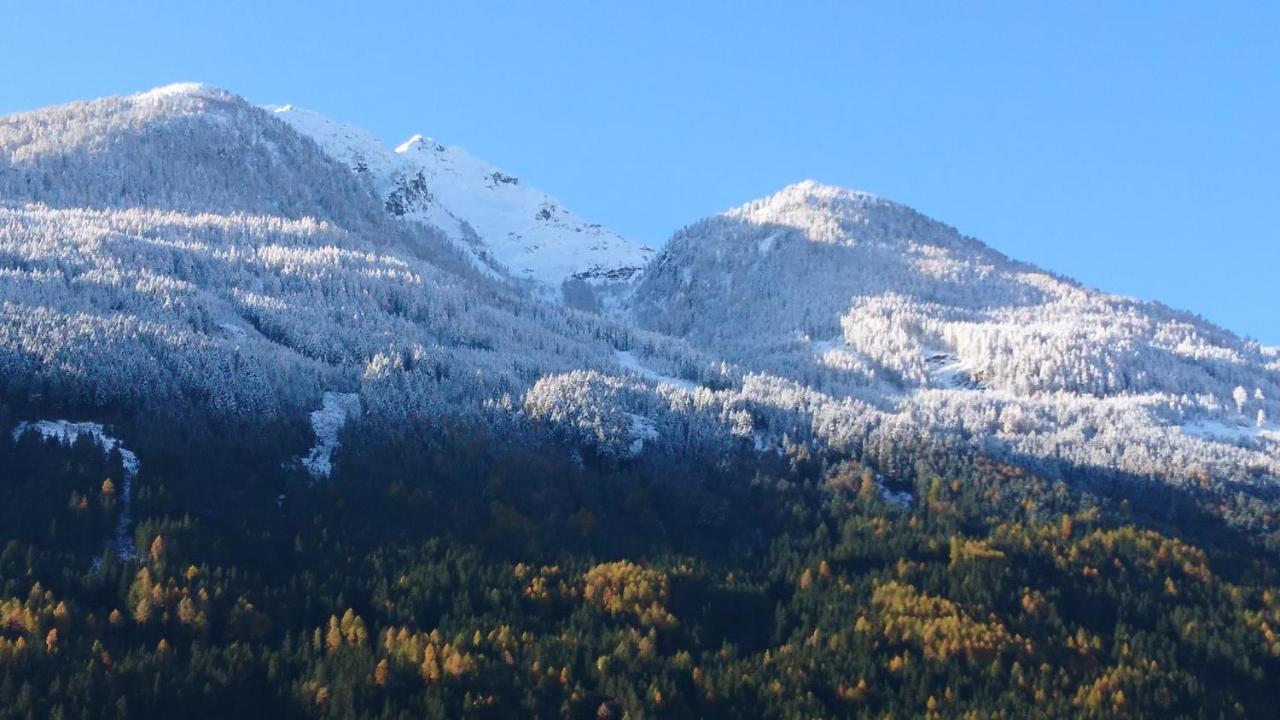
<point>1133,146</point>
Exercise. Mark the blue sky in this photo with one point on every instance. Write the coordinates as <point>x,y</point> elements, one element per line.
<point>1132,146</point>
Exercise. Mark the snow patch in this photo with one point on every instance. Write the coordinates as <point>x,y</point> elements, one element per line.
<point>527,232</point>
<point>234,331</point>
<point>326,422</point>
<point>949,371</point>
<point>66,433</point>
<point>629,361</point>
<point>822,347</point>
<point>1234,433</point>
<point>642,429</point>
<point>766,244</point>
<point>901,500</point>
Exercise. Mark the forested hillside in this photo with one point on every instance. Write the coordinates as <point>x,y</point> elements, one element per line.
<point>453,574</point>
<point>293,424</point>
<point>854,295</point>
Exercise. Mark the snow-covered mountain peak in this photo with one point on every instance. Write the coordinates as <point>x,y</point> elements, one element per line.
<point>186,89</point>
<point>490,214</point>
<point>211,152</point>
<point>189,100</point>
<point>828,214</point>
<point>822,211</point>
<point>811,190</point>
<point>354,147</point>
<point>814,195</point>
<point>859,296</point>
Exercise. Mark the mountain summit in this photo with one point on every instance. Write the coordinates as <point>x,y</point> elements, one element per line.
<point>856,296</point>
<point>505,224</point>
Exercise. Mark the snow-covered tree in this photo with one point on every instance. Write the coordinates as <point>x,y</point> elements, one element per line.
<point>1241,396</point>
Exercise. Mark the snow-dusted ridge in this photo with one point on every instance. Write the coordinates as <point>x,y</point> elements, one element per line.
<point>185,89</point>
<point>491,215</point>
<point>945,334</point>
<point>278,254</point>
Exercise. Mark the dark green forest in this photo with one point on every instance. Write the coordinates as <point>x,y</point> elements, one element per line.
<point>441,573</point>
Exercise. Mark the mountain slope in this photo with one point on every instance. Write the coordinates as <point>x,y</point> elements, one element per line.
<point>503,222</point>
<point>857,296</point>
<point>183,251</point>
<point>184,147</point>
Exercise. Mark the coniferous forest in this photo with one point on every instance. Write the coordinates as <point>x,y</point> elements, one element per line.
<point>443,573</point>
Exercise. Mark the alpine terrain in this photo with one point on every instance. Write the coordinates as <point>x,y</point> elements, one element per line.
<point>295,422</point>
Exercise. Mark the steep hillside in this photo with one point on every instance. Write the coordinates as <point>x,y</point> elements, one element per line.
<point>186,148</point>
<point>505,224</point>
<point>183,250</point>
<point>855,295</point>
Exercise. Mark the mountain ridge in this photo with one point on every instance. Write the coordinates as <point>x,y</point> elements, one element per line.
<point>527,233</point>
<point>181,245</point>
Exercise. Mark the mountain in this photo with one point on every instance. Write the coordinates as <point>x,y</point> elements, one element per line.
<point>296,426</point>
<point>181,250</point>
<point>505,224</point>
<point>854,295</point>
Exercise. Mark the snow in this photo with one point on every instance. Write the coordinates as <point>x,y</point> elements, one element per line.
<point>948,370</point>
<point>66,433</point>
<point>234,331</point>
<point>483,210</point>
<point>629,361</point>
<point>785,204</point>
<point>766,243</point>
<point>642,429</point>
<point>901,499</point>
<point>366,155</point>
<point>184,89</point>
<point>1234,433</point>
<point>527,230</point>
<point>835,353</point>
<point>327,422</point>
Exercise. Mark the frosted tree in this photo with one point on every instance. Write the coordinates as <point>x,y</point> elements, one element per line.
<point>1241,396</point>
